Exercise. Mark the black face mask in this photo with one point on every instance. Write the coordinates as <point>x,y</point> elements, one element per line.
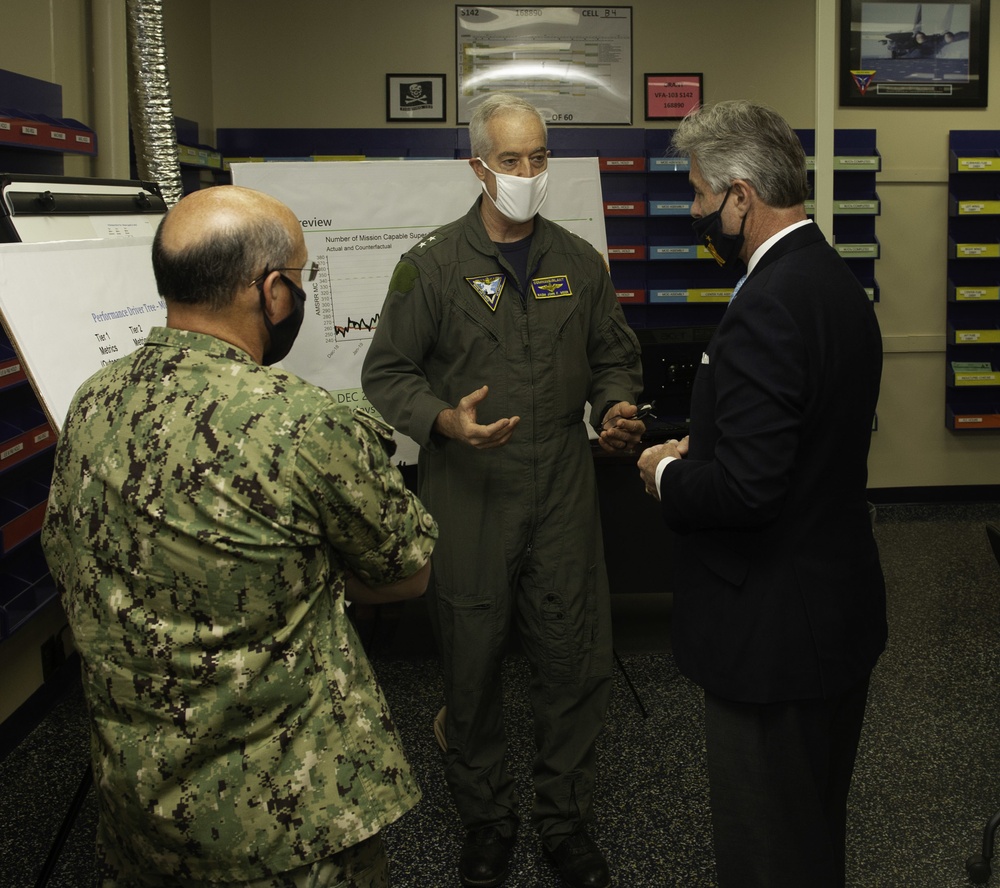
<point>284,332</point>
<point>725,248</point>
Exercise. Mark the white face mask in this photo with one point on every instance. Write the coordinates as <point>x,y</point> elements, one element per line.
<point>518,197</point>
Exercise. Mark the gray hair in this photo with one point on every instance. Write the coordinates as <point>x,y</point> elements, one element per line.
<point>495,105</point>
<point>743,140</point>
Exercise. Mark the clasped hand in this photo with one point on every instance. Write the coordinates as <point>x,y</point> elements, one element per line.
<point>651,457</point>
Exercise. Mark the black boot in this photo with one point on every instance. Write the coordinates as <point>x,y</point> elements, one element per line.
<point>580,862</point>
<point>485,857</point>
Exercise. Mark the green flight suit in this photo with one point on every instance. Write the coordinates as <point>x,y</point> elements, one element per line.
<point>520,525</point>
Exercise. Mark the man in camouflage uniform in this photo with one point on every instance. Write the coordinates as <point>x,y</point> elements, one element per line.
<point>496,331</point>
<point>207,518</point>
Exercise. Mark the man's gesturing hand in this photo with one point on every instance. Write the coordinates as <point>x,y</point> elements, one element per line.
<point>460,423</point>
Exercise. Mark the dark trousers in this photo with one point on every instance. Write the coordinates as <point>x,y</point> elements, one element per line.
<point>569,691</point>
<point>779,775</point>
<point>521,553</point>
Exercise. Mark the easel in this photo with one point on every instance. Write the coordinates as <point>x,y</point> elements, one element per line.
<point>65,827</point>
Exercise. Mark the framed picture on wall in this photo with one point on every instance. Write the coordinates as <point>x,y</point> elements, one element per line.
<point>411,97</point>
<point>673,96</point>
<point>897,53</point>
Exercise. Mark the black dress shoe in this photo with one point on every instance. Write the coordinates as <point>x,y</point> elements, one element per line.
<point>485,858</point>
<point>580,862</point>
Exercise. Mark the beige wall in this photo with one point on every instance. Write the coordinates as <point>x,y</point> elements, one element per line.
<point>913,448</point>
<point>307,63</point>
<point>187,27</point>
<point>302,63</point>
<point>330,71</point>
<point>326,62</point>
<point>46,39</point>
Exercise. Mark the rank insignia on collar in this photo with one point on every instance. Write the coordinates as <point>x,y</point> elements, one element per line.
<point>551,287</point>
<point>489,286</point>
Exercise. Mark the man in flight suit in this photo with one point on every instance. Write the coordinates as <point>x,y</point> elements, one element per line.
<point>497,330</point>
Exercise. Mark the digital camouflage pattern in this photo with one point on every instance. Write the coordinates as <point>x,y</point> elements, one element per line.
<point>364,865</point>
<point>203,516</point>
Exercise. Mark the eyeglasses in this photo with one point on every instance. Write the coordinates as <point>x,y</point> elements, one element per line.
<point>312,269</point>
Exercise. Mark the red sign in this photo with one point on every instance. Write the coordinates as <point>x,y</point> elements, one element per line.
<point>672,96</point>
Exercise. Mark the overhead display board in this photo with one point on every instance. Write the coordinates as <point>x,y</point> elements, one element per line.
<point>359,217</point>
<point>574,63</point>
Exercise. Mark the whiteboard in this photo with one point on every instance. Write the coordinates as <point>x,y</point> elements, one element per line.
<point>72,307</point>
<point>76,285</point>
<point>57,226</point>
<point>359,217</point>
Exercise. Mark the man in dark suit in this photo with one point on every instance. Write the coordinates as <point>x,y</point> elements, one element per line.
<point>779,612</point>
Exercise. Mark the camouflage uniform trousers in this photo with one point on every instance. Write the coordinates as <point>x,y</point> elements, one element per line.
<point>364,865</point>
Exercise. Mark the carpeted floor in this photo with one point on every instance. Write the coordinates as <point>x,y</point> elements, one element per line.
<point>926,781</point>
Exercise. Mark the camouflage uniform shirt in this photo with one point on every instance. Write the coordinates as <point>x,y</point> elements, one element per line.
<point>203,516</point>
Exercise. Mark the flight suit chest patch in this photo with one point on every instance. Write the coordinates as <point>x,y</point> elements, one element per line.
<point>551,287</point>
<point>489,287</point>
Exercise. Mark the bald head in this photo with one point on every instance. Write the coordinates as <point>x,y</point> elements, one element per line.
<point>214,241</point>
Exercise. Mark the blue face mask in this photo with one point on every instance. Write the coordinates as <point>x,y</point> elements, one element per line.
<point>284,332</point>
<point>725,248</point>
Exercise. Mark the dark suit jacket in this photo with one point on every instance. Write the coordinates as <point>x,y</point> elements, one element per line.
<point>779,591</point>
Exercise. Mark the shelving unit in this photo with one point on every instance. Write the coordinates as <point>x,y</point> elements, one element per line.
<point>34,136</point>
<point>856,203</point>
<point>647,205</point>
<point>27,445</point>
<point>201,165</point>
<point>671,290</point>
<point>972,353</point>
<point>38,132</point>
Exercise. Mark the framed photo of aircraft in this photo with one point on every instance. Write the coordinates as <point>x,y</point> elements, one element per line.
<point>897,53</point>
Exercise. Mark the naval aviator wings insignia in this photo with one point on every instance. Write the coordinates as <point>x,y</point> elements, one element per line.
<point>551,287</point>
<point>489,287</point>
